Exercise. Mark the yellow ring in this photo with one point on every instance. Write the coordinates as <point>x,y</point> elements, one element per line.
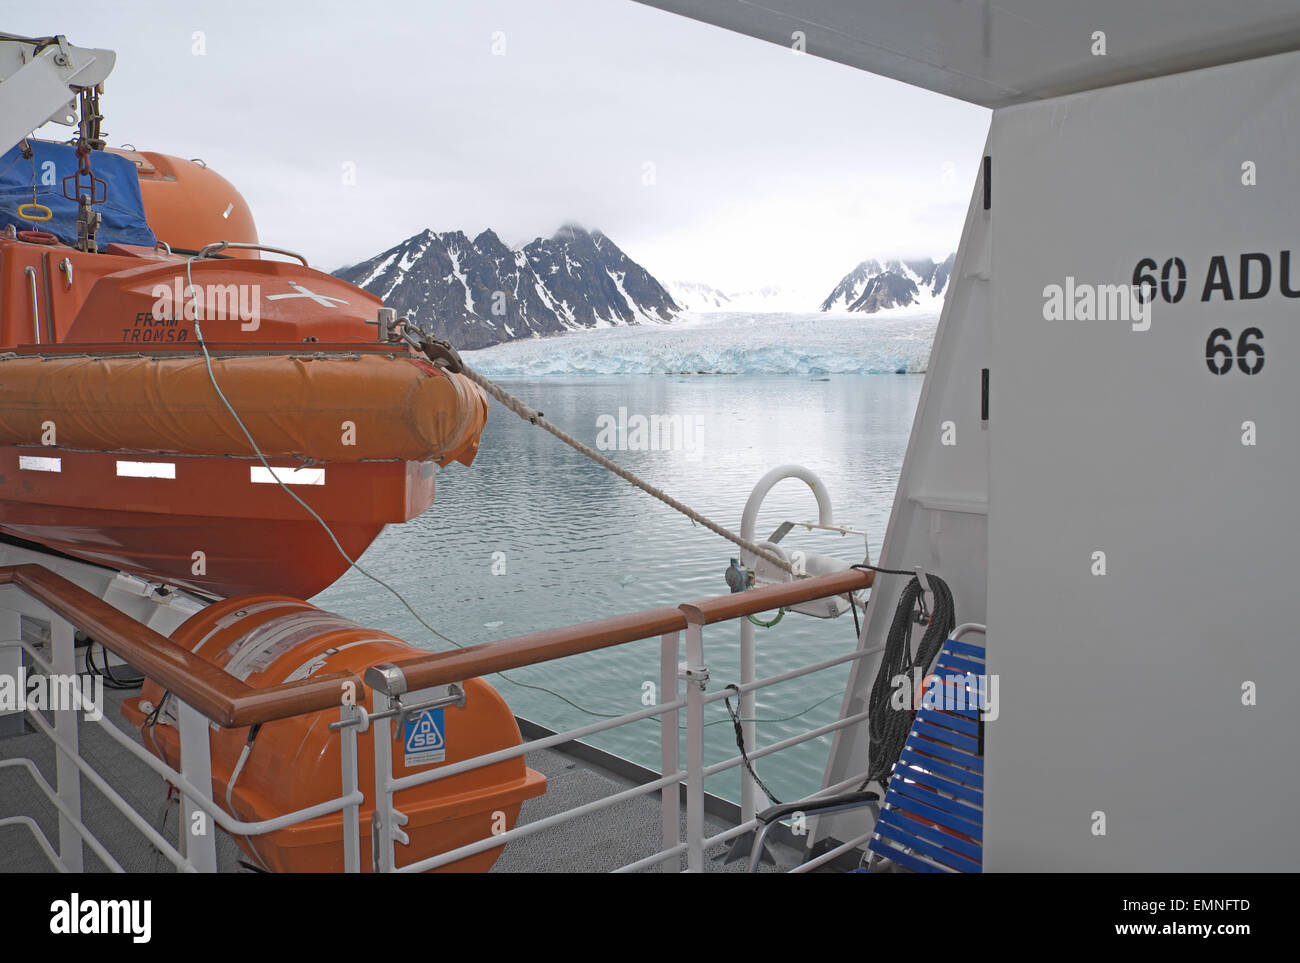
<point>35,217</point>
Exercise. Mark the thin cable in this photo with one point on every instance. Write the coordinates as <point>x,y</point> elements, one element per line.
<point>14,162</point>
<point>868,567</point>
<point>542,688</point>
<point>162,821</point>
<point>198,333</point>
<point>151,720</point>
<point>111,681</point>
<point>740,744</point>
<point>239,767</point>
<point>790,718</point>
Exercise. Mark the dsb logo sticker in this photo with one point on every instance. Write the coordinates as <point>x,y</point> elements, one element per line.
<point>425,738</point>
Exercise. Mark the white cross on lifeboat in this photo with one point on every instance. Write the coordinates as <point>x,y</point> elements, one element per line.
<point>322,299</point>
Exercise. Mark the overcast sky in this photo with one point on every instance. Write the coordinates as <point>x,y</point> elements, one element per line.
<point>704,154</point>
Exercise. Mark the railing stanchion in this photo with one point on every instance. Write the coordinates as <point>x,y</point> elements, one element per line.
<point>352,811</point>
<point>12,722</point>
<point>670,805</point>
<point>697,677</point>
<point>748,788</point>
<point>382,826</point>
<point>197,827</point>
<point>63,653</point>
<point>389,684</point>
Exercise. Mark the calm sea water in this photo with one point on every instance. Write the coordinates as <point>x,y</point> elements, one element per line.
<point>579,543</point>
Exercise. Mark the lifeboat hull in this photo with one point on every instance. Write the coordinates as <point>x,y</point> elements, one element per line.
<point>205,523</point>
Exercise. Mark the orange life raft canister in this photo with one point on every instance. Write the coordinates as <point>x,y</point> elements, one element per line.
<point>294,763</point>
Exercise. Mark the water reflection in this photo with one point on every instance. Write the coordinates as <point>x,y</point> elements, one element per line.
<point>575,543</point>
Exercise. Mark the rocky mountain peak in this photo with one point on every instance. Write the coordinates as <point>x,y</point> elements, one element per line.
<point>481,292</point>
<point>875,286</point>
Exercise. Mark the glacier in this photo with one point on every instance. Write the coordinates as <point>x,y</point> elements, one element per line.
<point>727,343</point>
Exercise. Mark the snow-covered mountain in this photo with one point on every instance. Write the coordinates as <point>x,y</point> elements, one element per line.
<point>874,286</point>
<point>480,292</point>
<point>698,296</point>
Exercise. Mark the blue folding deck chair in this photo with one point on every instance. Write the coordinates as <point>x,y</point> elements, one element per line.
<point>932,820</point>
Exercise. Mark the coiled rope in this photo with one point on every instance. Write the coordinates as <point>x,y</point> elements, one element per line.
<point>888,724</point>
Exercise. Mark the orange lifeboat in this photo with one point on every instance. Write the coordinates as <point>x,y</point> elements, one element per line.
<point>266,640</point>
<point>115,444</point>
<point>188,205</point>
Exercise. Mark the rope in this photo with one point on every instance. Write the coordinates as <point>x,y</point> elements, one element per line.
<point>535,417</point>
<point>888,725</point>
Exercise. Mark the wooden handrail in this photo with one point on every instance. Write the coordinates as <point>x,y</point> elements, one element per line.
<point>227,701</point>
<point>724,607</point>
<point>232,703</point>
<point>442,668</point>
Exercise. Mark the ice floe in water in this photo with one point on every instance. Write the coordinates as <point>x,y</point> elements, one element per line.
<point>744,344</point>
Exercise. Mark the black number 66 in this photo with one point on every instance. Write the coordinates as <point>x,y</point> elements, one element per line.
<point>1250,354</point>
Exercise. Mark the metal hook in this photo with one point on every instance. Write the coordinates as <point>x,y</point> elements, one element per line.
<point>923,616</point>
<point>920,577</point>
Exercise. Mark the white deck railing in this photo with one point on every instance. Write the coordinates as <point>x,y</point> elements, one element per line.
<point>687,682</point>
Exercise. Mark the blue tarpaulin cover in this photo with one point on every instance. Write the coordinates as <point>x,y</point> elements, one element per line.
<point>123,212</point>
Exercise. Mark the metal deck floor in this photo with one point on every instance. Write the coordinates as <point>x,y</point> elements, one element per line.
<point>595,843</point>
